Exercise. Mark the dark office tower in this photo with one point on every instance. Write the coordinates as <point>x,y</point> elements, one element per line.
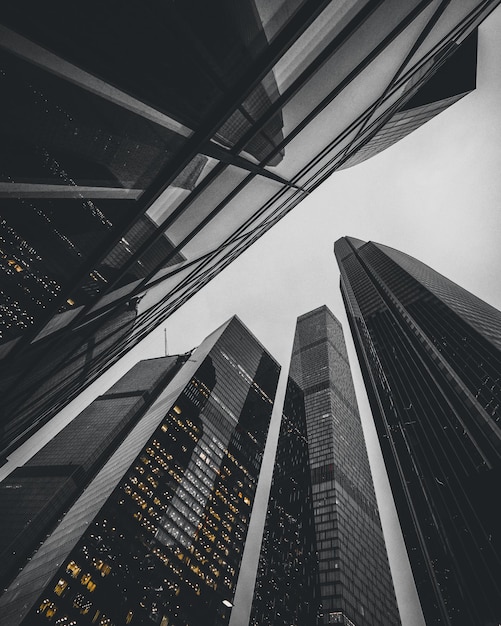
<point>138,167</point>
<point>355,580</point>
<point>35,496</point>
<point>287,591</point>
<point>430,353</point>
<point>157,535</point>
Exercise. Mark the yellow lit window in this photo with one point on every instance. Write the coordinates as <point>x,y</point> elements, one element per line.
<point>128,618</point>
<point>177,410</point>
<point>61,586</point>
<point>73,569</point>
<point>43,606</point>
<point>106,570</point>
<point>91,586</point>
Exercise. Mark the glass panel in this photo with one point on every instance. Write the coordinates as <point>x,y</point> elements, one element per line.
<point>277,208</point>
<point>115,295</point>
<point>57,322</point>
<point>202,206</point>
<point>192,175</point>
<point>168,287</point>
<point>252,109</point>
<point>330,161</point>
<point>368,142</point>
<point>232,216</point>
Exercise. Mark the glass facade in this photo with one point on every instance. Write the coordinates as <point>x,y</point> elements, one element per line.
<point>287,591</point>
<point>33,497</point>
<point>140,166</point>
<point>354,574</point>
<point>157,536</point>
<point>431,359</point>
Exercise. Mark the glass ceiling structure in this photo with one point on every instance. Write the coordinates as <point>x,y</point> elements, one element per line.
<point>144,147</point>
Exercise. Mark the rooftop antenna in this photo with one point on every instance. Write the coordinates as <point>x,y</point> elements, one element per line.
<point>165,340</point>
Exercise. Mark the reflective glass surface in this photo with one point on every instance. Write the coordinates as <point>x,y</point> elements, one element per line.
<point>164,540</point>
<point>430,356</point>
<point>163,117</point>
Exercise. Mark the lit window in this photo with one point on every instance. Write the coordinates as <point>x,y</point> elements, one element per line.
<point>61,586</point>
<point>73,569</point>
<point>106,570</point>
<point>43,606</point>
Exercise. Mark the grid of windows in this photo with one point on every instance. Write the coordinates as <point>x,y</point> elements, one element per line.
<point>355,580</point>
<point>287,589</point>
<point>432,372</point>
<point>165,546</point>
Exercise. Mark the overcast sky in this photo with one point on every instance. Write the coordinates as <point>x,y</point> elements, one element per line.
<point>435,195</point>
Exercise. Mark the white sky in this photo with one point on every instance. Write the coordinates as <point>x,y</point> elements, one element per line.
<point>435,195</point>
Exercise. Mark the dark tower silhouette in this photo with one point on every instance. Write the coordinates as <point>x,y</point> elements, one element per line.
<point>137,512</point>
<point>287,589</point>
<point>430,354</point>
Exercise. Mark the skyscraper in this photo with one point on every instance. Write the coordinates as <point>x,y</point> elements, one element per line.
<point>354,574</point>
<point>33,497</point>
<point>155,533</point>
<point>287,590</point>
<point>135,169</point>
<point>430,354</point>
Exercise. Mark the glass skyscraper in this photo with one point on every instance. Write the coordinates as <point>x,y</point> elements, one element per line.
<point>145,147</point>
<point>287,590</point>
<point>354,575</point>
<point>430,354</point>
<point>145,498</point>
<point>34,496</point>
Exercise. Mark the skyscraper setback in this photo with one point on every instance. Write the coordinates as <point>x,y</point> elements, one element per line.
<point>135,169</point>
<point>430,354</point>
<point>354,574</point>
<point>147,516</point>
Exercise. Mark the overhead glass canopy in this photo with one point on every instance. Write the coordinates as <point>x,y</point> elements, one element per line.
<point>144,150</point>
